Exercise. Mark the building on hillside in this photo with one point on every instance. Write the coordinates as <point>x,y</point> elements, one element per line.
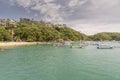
<point>60,25</point>
<point>28,21</point>
<point>7,22</point>
<point>49,24</point>
<point>2,22</point>
<point>12,22</point>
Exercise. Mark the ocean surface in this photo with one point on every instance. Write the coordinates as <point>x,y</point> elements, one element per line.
<point>46,62</point>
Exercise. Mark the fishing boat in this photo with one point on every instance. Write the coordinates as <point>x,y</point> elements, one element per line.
<point>66,43</point>
<point>77,46</point>
<point>104,46</point>
<point>61,44</point>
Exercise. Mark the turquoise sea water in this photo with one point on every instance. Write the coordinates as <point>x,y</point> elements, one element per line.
<point>46,62</point>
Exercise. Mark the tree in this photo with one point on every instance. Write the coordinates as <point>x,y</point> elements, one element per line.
<point>4,34</point>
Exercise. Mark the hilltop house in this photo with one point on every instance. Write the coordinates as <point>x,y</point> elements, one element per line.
<point>28,21</point>
<point>7,22</point>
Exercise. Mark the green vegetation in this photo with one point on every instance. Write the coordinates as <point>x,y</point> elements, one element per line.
<point>106,36</point>
<point>30,30</point>
<point>4,34</point>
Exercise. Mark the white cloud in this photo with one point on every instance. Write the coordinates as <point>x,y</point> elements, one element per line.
<point>92,29</point>
<point>23,3</point>
<point>74,3</point>
<point>105,3</point>
<point>48,8</point>
<point>93,15</point>
<point>49,1</point>
<point>94,9</point>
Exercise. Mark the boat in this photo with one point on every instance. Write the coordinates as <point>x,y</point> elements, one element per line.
<point>104,46</point>
<point>66,43</point>
<point>77,46</point>
<point>95,43</point>
<point>61,44</point>
<point>58,44</point>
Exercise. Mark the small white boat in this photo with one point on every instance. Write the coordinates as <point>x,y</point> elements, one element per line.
<point>104,46</point>
<point>77,46</point>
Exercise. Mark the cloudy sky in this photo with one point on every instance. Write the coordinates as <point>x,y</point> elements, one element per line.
<point>87,16</point>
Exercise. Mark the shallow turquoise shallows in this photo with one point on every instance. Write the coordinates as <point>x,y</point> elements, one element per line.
<point>46,62</point>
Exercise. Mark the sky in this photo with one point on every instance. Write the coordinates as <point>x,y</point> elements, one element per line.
<point>87,16</point>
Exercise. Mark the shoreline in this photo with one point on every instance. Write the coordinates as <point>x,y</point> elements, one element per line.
<point>10,44</point>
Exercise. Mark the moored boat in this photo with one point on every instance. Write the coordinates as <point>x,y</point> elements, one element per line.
<point>103,46</point>
<point>78,46</point>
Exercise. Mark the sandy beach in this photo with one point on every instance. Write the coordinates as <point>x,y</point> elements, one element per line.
<point>8,44</point>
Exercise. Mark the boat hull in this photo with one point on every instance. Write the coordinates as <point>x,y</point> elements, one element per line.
<point>104,47</point>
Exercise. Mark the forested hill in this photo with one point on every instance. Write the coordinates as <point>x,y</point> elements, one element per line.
<point>30,30</point>
<point>105,36</point>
